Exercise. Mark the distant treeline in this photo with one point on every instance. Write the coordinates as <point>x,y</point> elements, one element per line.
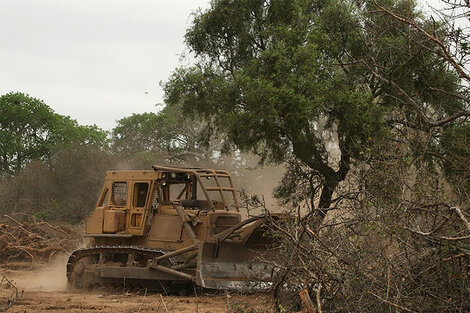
<point>53,168</point>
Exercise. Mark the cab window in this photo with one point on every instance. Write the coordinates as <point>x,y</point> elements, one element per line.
<point>140,194</point>
<point>119,193</point>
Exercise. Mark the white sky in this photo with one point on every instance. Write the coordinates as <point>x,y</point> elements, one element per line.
<point>93,60</point>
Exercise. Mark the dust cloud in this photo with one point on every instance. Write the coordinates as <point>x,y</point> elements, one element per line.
<point>261,182</point>
<point>45,278</point>
<point>256,180</point>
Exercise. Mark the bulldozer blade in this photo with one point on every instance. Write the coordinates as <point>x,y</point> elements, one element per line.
<point>231,266</point>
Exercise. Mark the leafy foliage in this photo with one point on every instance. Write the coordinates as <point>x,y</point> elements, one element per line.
<point>367,103</point>
<point>167,136</point>
<point>29,130</point>
<point>314,83</point>
<point>264,81</point>
<point>455,145</point>
<point>66,191</point>
<point>48,161</point>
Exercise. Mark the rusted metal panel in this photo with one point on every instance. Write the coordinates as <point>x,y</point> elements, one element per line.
<point>231,266</point>
<point>114,221</point>
<point>165,228</point>
<point>94,223</point>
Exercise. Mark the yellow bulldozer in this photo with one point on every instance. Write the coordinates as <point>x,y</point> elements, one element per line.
<point>173,225</point>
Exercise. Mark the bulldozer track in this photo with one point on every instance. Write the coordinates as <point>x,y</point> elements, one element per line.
<point>128,250</point>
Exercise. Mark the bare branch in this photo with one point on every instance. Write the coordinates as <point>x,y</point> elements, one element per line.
<point>393,304</point>
<point>462,217</point>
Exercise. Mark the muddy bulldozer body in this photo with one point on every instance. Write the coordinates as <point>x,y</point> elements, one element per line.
<point>172,225</point>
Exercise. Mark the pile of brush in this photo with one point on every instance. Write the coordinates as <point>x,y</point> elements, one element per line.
<point>36,241</point>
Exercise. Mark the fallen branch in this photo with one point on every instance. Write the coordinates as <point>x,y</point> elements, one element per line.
<point>35,241</point>
<point>318,298</point>
<point>14,296</point>
<point>306,301</point>
<point>393,304</point>
<point>462,217</point>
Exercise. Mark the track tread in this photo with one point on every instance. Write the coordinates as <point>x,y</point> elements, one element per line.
<point>85,252</point>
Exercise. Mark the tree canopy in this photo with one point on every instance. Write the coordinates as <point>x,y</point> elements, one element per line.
<point>314,83</point>
<point>30,129</point>
<point>167,136</point>
<point>368,103</point>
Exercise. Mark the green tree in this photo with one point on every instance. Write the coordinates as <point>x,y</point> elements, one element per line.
<point>168,136</point>
<point>66,191</point>
<point>30,129</point>
<point>441,101</point>
<point>295,81</point>
<point>365,100</point>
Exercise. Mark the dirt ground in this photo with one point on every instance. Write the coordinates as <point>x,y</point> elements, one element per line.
<point>45,290</point>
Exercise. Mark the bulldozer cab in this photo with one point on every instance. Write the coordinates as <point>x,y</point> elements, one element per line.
<point>196,188</point>
<point>131,199</point>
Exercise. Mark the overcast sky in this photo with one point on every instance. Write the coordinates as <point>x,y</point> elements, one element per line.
<point>94,60</point>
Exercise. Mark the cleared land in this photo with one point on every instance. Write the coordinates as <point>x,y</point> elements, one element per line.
<point>45,290</point>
